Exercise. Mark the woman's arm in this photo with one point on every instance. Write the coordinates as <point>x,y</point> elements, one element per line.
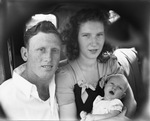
<point>130,103</point>
<point>68,112</point>
<point>97,117</point>
<point>65,95</point>
<point>119,117</point>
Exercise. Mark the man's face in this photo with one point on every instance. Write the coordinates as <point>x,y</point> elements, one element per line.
<point>43,55</point>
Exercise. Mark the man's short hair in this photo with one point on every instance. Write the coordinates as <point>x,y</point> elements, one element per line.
<point>43,26</point>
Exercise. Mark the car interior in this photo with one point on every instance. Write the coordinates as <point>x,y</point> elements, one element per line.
<point>128,32</point>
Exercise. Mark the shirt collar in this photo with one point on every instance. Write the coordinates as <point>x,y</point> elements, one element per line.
<point>28,88</point>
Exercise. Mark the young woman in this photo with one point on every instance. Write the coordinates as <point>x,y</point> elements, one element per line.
<point>86,47</point>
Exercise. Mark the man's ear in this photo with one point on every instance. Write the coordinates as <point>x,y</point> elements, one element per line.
<point>24,53</point>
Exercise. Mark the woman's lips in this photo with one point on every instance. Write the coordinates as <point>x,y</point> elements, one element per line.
<point>93,51</point>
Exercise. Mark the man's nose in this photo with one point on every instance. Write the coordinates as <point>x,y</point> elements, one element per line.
<point>48,56</point>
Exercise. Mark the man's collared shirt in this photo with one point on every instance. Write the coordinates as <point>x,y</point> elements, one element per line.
<point>20,100</point>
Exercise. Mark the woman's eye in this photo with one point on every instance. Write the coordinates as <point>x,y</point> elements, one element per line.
<point>85,35</point>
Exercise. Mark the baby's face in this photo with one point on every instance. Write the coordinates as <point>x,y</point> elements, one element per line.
<point>115,88</point>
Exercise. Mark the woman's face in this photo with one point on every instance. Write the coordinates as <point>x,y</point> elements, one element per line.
<point>91,39</point>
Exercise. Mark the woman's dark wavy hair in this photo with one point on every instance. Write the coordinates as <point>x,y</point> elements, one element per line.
<point>70,33</point>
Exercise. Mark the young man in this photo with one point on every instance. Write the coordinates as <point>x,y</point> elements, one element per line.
<point>30,93</point>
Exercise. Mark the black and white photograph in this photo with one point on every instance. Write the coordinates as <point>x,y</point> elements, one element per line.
<point>75,60</point>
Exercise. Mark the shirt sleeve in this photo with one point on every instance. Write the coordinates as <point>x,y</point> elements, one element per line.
<point>116,104</point>
<point>64,86</point>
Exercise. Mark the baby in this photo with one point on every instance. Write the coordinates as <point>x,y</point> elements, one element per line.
<point>110,105</point>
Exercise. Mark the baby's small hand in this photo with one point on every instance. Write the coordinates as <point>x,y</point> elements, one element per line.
<point>89,117</point>
<point>83,115</point>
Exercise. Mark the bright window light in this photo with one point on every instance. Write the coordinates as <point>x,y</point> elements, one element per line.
<point>41,17</point>
<point>113,16</point>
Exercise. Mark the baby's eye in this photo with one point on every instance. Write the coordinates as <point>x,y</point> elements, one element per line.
<point>112,83</point>
<point>120,88</point>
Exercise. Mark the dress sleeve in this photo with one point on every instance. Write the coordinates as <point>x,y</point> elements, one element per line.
<point>116,104</point>
<point>64,86</point>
